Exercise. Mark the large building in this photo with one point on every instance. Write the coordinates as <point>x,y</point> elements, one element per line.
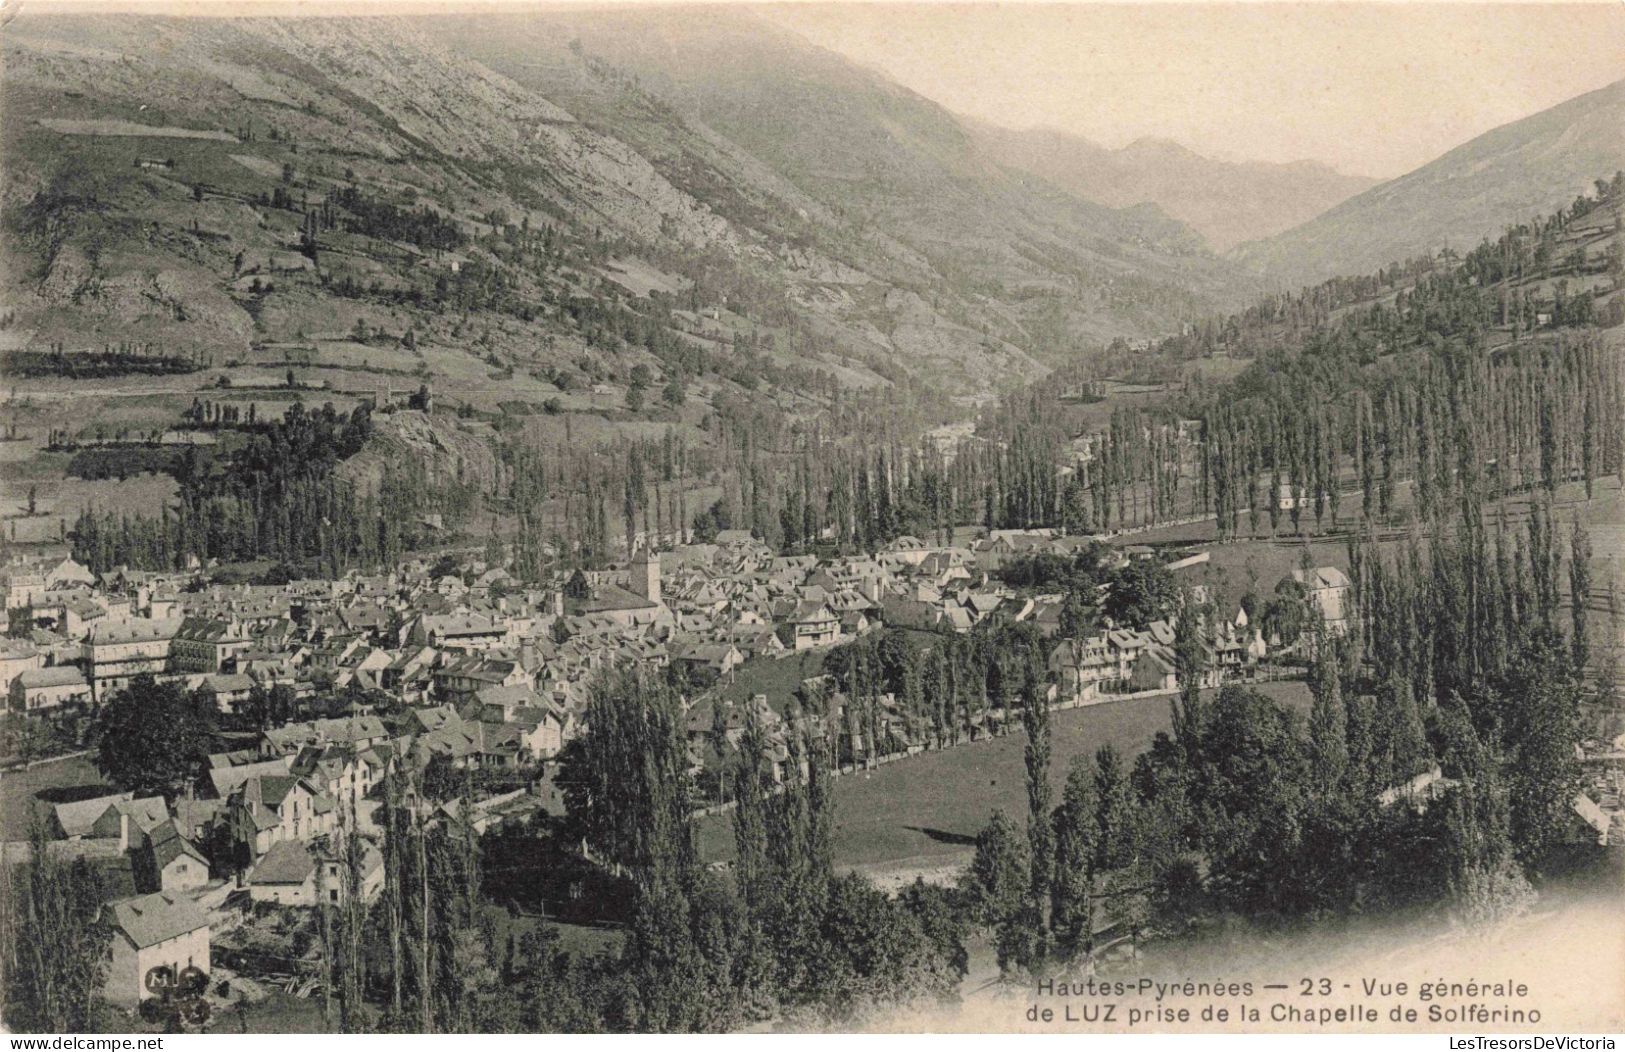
<point>48,689</point>
<point>117,651</point>
<point>205,644</point>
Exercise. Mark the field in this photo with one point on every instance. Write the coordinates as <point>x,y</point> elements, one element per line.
<point>22,791</point>
<point>922,814</point>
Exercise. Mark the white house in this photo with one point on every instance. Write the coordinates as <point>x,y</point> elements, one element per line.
<point>303,874</point>
<point>164,929</point>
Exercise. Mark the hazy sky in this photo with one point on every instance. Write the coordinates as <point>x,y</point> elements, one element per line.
<point>1374,89</point>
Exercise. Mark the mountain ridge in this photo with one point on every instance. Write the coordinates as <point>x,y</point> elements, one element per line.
<point>1227,202</point>
<point>915,249</point>
<point>1526,167</point>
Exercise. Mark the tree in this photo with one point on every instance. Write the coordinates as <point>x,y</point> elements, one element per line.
<point>1189,662</point>
<point>1328,722</point>
<point>1541,708</point>
<point>1114,812</point>
<point>154,737</point>
<point>1034,920</point>
<point>627,786</point>
<point>997,878</point>
<point>1579,592</point>
<point>1400,743</point>
<point>1140,592</point>
<point>441,778</point>
<point>674,393</point>
<point>1255,775</point>
<point>55,950</point>
<point>1071,894</point>
<point>1078,618</point>
<point>1287,613</point>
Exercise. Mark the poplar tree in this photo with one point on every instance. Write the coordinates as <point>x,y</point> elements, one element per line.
<point>1579,594</point>
<point>1071,892</point>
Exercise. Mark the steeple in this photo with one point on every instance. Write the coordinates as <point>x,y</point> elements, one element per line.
<point>644,573</point>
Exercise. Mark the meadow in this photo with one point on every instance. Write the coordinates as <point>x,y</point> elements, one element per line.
<point>924,812</point>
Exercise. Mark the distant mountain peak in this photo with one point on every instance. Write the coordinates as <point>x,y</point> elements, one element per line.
<point>1527,167</point>
<point>1225,201</point>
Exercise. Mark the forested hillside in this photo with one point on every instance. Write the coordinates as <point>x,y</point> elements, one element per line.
<point>1460,378</point>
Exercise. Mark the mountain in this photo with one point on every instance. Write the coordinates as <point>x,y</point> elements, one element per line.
<point>1531,166</point>
<point>250,190</point>
<point>878,177</point>
<point>1226,202</point>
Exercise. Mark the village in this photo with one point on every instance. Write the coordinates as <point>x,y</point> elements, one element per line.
<point>323,687</point>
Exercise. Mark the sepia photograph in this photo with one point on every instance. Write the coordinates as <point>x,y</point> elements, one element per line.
<point>811,518</point>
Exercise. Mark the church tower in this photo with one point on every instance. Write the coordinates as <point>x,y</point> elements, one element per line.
<point>645,574</point>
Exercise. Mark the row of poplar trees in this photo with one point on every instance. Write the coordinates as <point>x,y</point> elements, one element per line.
<point>1436,765</point>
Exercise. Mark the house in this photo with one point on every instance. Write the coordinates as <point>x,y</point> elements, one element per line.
<point>707,662</point>
<point>1152,670</point>
<point>461,679</point>
<point>736,542</point>
<point>1291,498</point>
<point>17,656</point>
<point>458,631</point>
<point>296,873</point>
<point>358,732</point>
<point>755,641</point>
<point>229,690</point>
<point>812,624</point>
<point>1081,666</point>
<point>339,771</point>
<point>164,929</point>
<point>541,730</point>
<point>1124,646</point>
<point>24,583</point>
<point>169,861</point>
<point>117,818</point>
<point>48,689</point>
<point>902,612</point>
<point>463,742</point>
<point>1327,588</point>
<point>269,809</point>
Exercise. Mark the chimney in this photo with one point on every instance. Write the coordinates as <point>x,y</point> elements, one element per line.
<point>123,832</point>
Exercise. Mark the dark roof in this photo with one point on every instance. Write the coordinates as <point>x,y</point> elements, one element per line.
<point>150,919</point>
<point>613,597</point>
<point>288,862</point>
